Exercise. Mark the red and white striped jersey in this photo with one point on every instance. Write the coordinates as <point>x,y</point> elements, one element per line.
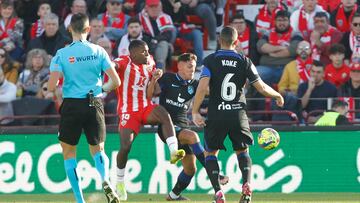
<point>131,93</point>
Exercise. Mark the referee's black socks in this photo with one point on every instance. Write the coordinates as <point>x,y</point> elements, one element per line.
<point>212,169</point>
<point>245,165</point>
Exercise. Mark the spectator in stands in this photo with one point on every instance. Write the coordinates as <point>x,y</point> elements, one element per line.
<point>342,15</point>
<point>97,30</point>
<point>336,116</point>
<point>77,6</point>
<point>351,88</point>
<point>7,95</point>
<point>351,40</point>
<point>133,7</point>
<point>9,67</point>
<point>55,96</point>
<point>337,72</point>
<point>51,40</point>
<point>134,31</point>
<point>185,30</point>
<point>204,10</point>
<point>106,44</point>
<point>114,19</point>
<point>247,37</point>
<point>277,49</point>
<point>160,27</point>
<point>265,20</point>
<point>36,71</point>
<point>315,92</point>
<point>322,37</point>
<point>297,71</point>
<point>43,92</point>
<point>37,28</point>
<point>329,5</point>
<point>11,30</point>
<point>303,19</point>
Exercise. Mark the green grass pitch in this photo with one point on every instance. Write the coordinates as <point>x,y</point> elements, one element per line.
<point>195,198</point>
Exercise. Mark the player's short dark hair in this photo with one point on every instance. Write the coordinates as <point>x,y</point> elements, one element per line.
<point>339,103</point>
<point>136,44</point>
<point>238,16</point>
<point>228,35</point>
<point>337,48</point>
<point>282,14</point>
<point>356,15</point>
<point>78,22</point>
<point>318,64</point>
<point>134,19</point>
<point>187,57</point>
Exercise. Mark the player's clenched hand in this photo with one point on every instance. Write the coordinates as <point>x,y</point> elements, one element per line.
<point>157,74</point>
<point>198,120</point>
<point>279,101</point>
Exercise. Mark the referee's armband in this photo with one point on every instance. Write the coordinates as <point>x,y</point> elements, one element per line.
<point>205,72</point>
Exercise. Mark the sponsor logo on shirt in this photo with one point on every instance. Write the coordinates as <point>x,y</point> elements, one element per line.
<point>71,59</point>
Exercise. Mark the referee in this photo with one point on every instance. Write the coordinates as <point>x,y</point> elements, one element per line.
<point>82,64</point>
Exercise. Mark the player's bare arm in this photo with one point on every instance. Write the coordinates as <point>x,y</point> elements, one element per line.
<point>267,91</point>
<point>152,86</point>
<point>201,92</point>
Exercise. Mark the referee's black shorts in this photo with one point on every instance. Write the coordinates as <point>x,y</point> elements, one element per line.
<point>76,115</point>
<point>237,127</point>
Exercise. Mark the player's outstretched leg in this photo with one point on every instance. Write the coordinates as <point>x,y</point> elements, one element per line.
<point>159,115</point>
<point>245,167</point>
<point>184,179</point>
<point>127,136</point>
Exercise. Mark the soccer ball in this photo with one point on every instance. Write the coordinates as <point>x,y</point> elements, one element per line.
<point>268,139</point>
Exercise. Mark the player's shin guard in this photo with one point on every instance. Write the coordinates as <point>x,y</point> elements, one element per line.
<point>198,150</point>
<point>245,166</point>
<point>182,182</point>
<point>212,169</point>
<point>70,168</point>
<point>102,165</point>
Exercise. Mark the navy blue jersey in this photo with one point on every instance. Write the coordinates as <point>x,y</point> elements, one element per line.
<point>176,95</point>
<point>228,72</point>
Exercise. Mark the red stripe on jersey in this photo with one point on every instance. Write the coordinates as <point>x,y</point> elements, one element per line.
<point>132,91</point>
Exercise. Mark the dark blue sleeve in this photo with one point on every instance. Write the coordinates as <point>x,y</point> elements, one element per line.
<point>205,72</point>
<point>162,82</point>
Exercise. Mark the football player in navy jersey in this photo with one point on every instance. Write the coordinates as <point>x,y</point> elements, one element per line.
<point>223,77</point>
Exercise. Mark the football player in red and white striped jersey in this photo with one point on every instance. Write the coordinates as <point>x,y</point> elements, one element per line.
<point>139,76</point>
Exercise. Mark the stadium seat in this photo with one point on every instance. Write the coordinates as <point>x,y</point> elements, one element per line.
<point>232,4</point>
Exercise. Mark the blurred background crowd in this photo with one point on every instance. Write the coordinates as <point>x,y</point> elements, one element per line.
<point>309,50</point>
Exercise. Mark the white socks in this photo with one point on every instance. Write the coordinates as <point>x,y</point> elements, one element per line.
<point>172,144</point>
<point>120,174</point>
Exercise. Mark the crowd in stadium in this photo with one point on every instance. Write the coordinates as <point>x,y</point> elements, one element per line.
<point>309,50</point>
